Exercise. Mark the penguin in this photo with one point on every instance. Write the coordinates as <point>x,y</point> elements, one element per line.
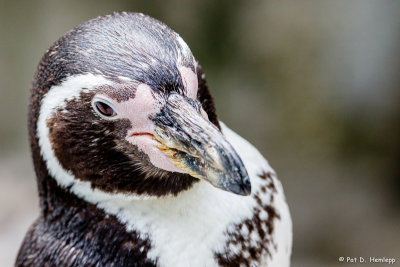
<point>133,166</point>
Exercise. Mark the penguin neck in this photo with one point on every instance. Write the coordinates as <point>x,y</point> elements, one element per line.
<point>80,195</point>
<point>70,222</point>
<point>58,202</point>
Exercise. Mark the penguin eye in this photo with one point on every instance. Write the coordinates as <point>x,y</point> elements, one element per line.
<point>104,109</point>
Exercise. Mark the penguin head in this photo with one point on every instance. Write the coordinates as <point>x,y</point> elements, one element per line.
<point>119,104</point>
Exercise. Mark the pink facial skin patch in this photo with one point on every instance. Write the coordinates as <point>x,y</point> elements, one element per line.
<point>189,81</point>
<point>138,110</point>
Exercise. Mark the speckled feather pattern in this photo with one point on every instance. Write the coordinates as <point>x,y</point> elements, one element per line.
<point>252,240</point>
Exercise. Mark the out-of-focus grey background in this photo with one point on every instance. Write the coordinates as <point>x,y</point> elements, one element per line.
<point>315,85</point>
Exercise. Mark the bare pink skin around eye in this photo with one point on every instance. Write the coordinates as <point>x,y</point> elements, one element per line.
<point>138,110</point>
<point>190,81</point>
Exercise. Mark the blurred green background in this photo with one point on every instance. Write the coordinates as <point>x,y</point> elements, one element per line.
<point>315,85</point>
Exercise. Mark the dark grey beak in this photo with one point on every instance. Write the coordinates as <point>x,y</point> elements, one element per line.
<point>196,146</point>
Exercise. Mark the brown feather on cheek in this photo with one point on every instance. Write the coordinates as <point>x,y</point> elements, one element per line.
<point>95,150</point>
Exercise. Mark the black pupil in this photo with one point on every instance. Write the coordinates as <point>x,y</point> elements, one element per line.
<point>104,109</point>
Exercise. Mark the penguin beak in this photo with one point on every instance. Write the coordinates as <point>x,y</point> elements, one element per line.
<point>196,146</point>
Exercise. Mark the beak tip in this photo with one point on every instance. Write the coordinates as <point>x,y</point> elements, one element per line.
<point>247,187</point>
<point>243,188</point>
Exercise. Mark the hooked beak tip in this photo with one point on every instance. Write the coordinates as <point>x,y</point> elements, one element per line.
<point>247,188</point>
<point>243,188</point>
